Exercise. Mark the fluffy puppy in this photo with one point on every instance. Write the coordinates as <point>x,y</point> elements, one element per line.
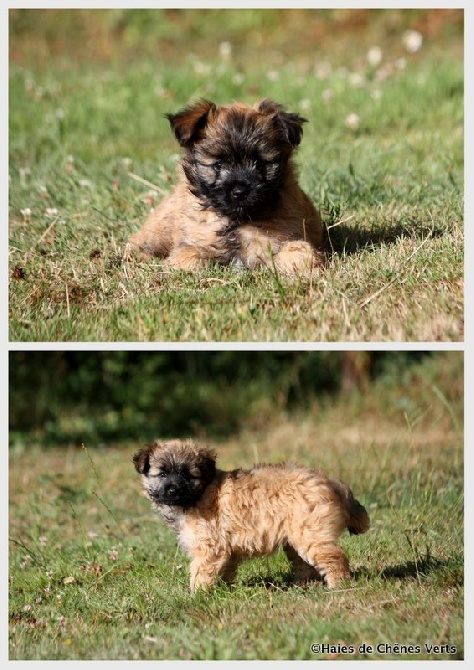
<point>238,199</point>
<point>223,517</point>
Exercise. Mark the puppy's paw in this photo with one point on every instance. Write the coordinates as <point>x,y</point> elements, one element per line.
<point>298,257</point>
<point>185,257</point>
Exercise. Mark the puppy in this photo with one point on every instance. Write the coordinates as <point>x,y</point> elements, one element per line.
<point>222,517</point>
<point>238,198</point>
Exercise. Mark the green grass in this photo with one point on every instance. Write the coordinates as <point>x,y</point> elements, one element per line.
<point>87,134</point>
<point>95,574</point>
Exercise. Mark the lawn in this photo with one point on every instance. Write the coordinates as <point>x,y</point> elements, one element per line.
<point>95,574</point>
<point>91,153</point>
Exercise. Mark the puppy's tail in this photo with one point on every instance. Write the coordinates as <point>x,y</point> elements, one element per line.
<point>358,521</point>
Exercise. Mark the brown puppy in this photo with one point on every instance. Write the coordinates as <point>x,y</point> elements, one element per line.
<point>223,517</point>
<point>238,198</point>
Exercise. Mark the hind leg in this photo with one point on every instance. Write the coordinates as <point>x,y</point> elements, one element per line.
<point>329,560</point>
<point>302,571</point>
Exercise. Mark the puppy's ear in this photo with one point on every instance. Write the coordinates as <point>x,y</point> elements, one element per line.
<point>207,464</point>
<point>142,459</point>
<point>189,123</point>
<point>292,124</point>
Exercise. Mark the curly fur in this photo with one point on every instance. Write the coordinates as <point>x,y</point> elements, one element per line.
<point>234,515</point>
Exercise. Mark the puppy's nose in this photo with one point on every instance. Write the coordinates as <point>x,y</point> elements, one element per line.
<point>239,191</point>
<point>171,489</point>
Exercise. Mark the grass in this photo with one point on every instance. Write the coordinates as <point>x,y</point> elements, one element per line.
<point>90,153</point>
<point>94,573</point>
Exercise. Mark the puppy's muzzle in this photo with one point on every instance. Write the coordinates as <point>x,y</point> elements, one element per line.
<point>238,191</point>
<point>170,490</point>
<point>174,491</point>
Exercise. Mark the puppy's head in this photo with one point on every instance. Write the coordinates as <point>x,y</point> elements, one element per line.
<point>175,473</point>
<point>236,156</point>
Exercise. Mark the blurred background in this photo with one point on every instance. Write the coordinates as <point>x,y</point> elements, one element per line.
<point>180,35</point>
<point>75,397</point>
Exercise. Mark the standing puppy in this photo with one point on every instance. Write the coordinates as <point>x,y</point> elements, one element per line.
<point>238,197</point>
<point>223,517</point>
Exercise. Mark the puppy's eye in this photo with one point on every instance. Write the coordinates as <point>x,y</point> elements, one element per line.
<point>188,476</point>
<point>269,163</point>
<point>217,165</point>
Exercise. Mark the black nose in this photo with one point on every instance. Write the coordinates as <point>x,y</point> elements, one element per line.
<point>239,191</point>
<point>171,489</point>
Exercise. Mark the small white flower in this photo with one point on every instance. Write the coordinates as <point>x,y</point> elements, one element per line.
<point>328,94</point>
<point>26,213</point>
<point>273,75</point>
<point>305,104</point>
<point>374,56</point>
<point>51,211</point>
<point>356,79</point>
<point>84,182</point>
<point>353,121</point>
<point>202,68</point>
<point>238,78</point>
<point>70,167</point>
<point>412,40</point>
<point>322,70</point>
<point>225,50</point>
<point>150,197</point>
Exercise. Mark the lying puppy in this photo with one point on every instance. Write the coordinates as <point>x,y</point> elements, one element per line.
<point>238,199</point>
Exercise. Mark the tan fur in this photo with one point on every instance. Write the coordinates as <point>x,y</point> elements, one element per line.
<point>246,513</point>
<point>187,233</point>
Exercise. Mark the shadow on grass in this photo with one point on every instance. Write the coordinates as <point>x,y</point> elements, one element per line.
<point>346,240</point>
<point>450,571</point>
<point>270,582</point>
<point>287,582</point>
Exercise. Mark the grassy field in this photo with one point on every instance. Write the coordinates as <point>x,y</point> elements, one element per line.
<point>90,154</point>
<point>94,574</point>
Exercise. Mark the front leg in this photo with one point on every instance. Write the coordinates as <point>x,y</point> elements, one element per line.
<point>186,257</point>
<point>298,257</point>
<point>229,570</point>
<point>258,247</point>
<point>205,569</point>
